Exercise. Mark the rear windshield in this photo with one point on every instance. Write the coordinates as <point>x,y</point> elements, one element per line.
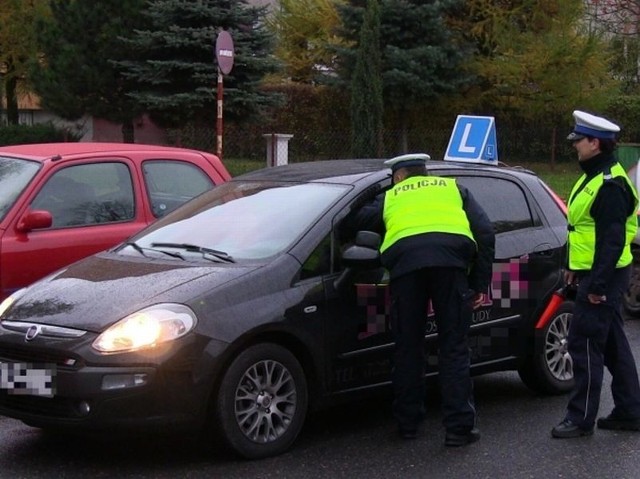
<point>15,175</point>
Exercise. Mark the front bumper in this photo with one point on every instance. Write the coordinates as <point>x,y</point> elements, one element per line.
<point>170,385</point>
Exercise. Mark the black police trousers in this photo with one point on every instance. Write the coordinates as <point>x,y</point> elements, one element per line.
<point>448,290</point>
<point>597,339</point>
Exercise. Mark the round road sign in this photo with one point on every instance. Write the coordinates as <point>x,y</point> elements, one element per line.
<point>224,52</point>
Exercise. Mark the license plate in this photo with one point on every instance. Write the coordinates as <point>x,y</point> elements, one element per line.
<point>26,379</point>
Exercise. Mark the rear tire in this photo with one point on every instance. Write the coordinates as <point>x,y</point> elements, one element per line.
<point>550,370</point>
<point>262,402</point>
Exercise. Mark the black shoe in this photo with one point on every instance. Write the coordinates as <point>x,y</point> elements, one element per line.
<point>619,423</point>
<point>453,439</point>
<point>408,433</point>
<point>567,430</point>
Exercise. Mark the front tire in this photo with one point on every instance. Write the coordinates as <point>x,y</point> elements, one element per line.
<point>262,401</point>
<point>550,370</point>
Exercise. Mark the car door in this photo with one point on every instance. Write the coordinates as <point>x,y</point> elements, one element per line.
<point>528,260</point>
<point>527,267</point>
<point>94,205</point>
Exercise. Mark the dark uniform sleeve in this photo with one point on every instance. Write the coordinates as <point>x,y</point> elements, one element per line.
<point>366,218</point>
<point>482,229</point>
<point>611,207</point>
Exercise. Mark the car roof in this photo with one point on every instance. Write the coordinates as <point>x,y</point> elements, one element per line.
<point>349,171</point>
<point>44,151</point>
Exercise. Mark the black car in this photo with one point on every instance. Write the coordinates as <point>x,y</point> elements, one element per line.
<point>249,305</point>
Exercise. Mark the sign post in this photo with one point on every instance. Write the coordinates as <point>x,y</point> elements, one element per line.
<point>224,56</point>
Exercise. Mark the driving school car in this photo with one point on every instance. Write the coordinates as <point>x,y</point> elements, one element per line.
<point>244,308</point>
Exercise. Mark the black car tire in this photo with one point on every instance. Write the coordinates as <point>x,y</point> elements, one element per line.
<point>262,401</point>
<point>631,298</point>
<point>550,370</point>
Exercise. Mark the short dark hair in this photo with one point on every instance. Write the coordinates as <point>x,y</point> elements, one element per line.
<point>607,145</point>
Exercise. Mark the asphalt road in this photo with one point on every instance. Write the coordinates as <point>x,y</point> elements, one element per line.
<point>354,441</point>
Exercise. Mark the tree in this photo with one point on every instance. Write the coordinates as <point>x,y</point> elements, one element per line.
<point>306,31</point>
<point>366,88</point>
<point>76,75</point>
<point>17,48</point>
<point>535,60</point>
<point>421,57</point>
<point>175,71</point>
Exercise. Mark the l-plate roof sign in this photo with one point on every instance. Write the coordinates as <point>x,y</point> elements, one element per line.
<point>473,140</point>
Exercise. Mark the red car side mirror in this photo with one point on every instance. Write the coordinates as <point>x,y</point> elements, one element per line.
<point>33,220</point>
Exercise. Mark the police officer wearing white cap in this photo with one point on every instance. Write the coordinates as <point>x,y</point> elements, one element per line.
<point>438,245</point>
<point>602,222</point>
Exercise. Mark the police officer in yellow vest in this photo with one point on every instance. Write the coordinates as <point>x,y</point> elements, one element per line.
<point>602,222</point>
<point>438,245</point>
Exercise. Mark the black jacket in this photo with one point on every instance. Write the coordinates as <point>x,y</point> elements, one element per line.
<point>437,249</point>
<point>610,209</point>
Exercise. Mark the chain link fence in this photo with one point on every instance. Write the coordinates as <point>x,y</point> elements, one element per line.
<point>516,145</point>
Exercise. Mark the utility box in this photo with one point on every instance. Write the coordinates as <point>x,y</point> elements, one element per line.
<point>277,148</point>
<point>628,154</point>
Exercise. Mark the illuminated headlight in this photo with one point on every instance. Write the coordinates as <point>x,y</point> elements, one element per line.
<point>6,304</point>
<point>147,328</point>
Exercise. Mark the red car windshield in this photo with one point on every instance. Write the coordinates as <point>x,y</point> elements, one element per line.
<point>15,175</point>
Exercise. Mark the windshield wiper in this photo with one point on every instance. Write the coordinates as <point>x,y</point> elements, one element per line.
<point>141,250</point>
<point>220,255</point>
<point>136,247</point>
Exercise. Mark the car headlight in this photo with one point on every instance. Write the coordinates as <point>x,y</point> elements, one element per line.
<point>8,301</point>
<point>147,328</point>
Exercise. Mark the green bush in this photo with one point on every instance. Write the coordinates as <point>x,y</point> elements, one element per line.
<point>40,133</point>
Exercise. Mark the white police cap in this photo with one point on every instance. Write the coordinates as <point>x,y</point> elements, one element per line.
<point>591,125</point>
<point>404,161</point>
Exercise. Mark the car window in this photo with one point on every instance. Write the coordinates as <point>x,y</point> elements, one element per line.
<point>88,194</point>
<point>504,202</point>
<point>171,183</point>
<point>15,175</point>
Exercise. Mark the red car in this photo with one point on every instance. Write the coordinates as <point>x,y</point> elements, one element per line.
<point>60,202</point>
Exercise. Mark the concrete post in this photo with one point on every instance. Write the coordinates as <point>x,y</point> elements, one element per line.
<point>277,148</point>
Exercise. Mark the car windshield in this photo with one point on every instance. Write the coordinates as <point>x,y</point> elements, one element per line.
<point>15,175</point>
<point>241,219</point>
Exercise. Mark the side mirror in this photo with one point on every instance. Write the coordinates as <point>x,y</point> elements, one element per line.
<point>33,220</point>
<point>363,254</point>
<point>368,239</point>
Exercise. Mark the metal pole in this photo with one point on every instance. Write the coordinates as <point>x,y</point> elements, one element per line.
<point>219,117</point>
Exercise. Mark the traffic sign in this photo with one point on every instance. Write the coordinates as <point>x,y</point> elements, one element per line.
<point>224,51</point>
<point>473,140</point>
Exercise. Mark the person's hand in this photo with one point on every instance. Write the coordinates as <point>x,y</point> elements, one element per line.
<point>596,298</point>
<point>477,300</point>
<point>569,276</point>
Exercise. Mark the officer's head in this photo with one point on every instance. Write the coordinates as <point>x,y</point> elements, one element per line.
<point>405,166</point>
<point>592,135</point>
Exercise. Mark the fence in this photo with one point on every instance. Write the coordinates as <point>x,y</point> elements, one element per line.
<point>515,145</point>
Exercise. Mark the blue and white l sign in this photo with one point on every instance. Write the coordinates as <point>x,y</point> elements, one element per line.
<point>473,140</point>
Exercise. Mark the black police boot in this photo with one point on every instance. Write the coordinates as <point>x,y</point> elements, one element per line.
<point>454,439</point>
<point>618,423</point>
<point>567,430</point>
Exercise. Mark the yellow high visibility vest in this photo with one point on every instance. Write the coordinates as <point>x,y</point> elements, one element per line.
<point>582,227</point>
<point>423,204</point>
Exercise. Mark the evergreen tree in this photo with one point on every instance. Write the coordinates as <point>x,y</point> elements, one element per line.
<point>366,88</point>
<point>176,74</point>
<point>76,76</point>
<point>420,56</point>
